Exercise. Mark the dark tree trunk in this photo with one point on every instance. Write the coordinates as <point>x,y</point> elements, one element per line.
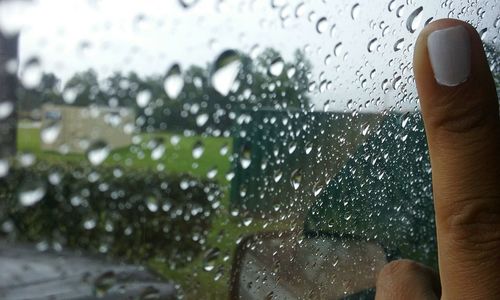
<point>8,85</point>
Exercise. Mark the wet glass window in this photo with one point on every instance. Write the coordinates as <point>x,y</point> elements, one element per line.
<point>206,149</point>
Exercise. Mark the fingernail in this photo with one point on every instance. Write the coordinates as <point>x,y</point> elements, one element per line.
<point>449,52</point>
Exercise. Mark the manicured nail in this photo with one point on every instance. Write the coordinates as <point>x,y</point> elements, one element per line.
<point>449,52</point>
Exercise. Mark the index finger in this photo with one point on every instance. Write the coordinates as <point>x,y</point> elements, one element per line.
<point>460,110</point>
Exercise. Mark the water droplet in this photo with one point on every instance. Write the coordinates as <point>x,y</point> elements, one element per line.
<point>31,75</point>
<point>69,95</point>
<point>201,119</point>
<point>174,140</point>
<point>50,132</point>
<point>158,151</point>
<point>399,44</point>
<point>296,178</point>
<point>4,167</point>
<point>278,174</point>
<point>278,3</point>
<point>392,5</point>
<point>482,33</point>
<point>224,149</point>
<point>97,152</point>
<point>31,192</point>
<point>6,108</point>
<point>322,25</point>
<point>414,19</point>
<point>290,72</point>
<point>55,178</point>
<point>187,3</point>
<point>212,173</point>
<point>89,223</point>
<point>27,159</point>
<point>400,11</point>
<point>405,119</point>
<point>198,149</point>
<point>224,71</point>
<point>308,147</point>
<point>246,157</point>
<point>209,259</point>
<point>317,188</point>
<point>143,98</point>
<point>276,67</point>
<point>372,45</point>
<point>174,82</point>
<point>247,221</point>
<point>103,283</point>
<point>152,203</point>
<point>365,129</point>
<point>300,10</point>
<point>291,147</point>
<point>337,49</point>
<point>355,11</point>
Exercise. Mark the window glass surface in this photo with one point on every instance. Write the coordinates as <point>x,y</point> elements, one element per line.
<point>205,149</point>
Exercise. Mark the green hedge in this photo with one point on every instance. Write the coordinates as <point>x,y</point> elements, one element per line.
<point>106,210</point>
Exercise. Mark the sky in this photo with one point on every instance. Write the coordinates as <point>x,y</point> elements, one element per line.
<point>365,58</point>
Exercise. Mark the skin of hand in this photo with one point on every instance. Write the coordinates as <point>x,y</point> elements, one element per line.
<point>459,105</point>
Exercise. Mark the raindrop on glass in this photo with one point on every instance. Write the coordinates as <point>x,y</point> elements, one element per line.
<point>399,44</point>
<point>198,149</point>
<point>97,152</point>
<point>337,49</point>
<point>296,178</point>
<point>372,45</point>
<point>209,259</point>
<point>4,167</point>
<point>414,19</point>
<point>321,25</point>
<point>246,157</point>
<point>31,75</point>
<point>276,67</point>
<point>212,173</point>
<point>31,192</point>
<point>89,223</point>
<point>174,82</point>
<point>355,11</point>
<point>50,132</point>
<point>143,98</point>
<point>158,151</point>
<point>201,119</point>
<point>308,147</point>
<point>187,3</point>
<point>224,71</point>
<point>317,188</point>
<point>278,174</point>
<point>152,203</point>
<point>6,108</point>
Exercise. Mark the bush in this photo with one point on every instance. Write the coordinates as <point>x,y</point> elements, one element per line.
<point>134,215</point>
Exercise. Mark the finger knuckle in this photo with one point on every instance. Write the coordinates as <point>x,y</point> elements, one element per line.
<point>397,268</point>
<point>462,111</point>
<point>474,226</point>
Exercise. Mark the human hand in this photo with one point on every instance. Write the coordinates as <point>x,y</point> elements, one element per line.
<point>460,109</point>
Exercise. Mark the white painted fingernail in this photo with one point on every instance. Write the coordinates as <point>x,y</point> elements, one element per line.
<point>449,52</point>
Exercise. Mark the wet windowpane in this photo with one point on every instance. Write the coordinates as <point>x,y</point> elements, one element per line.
<point>200,149</point>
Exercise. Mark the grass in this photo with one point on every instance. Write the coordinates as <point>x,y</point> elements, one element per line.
<point>226,229</point>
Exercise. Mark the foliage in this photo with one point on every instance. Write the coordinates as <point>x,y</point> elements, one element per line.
<point>110,212</point>
<point>254,88</point>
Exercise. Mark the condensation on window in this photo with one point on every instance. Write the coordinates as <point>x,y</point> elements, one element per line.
<point>201,149</point>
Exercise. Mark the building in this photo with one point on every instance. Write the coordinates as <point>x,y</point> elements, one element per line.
<point>73,129</point>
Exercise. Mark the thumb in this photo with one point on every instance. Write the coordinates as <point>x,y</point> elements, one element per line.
<point>460,110</point>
